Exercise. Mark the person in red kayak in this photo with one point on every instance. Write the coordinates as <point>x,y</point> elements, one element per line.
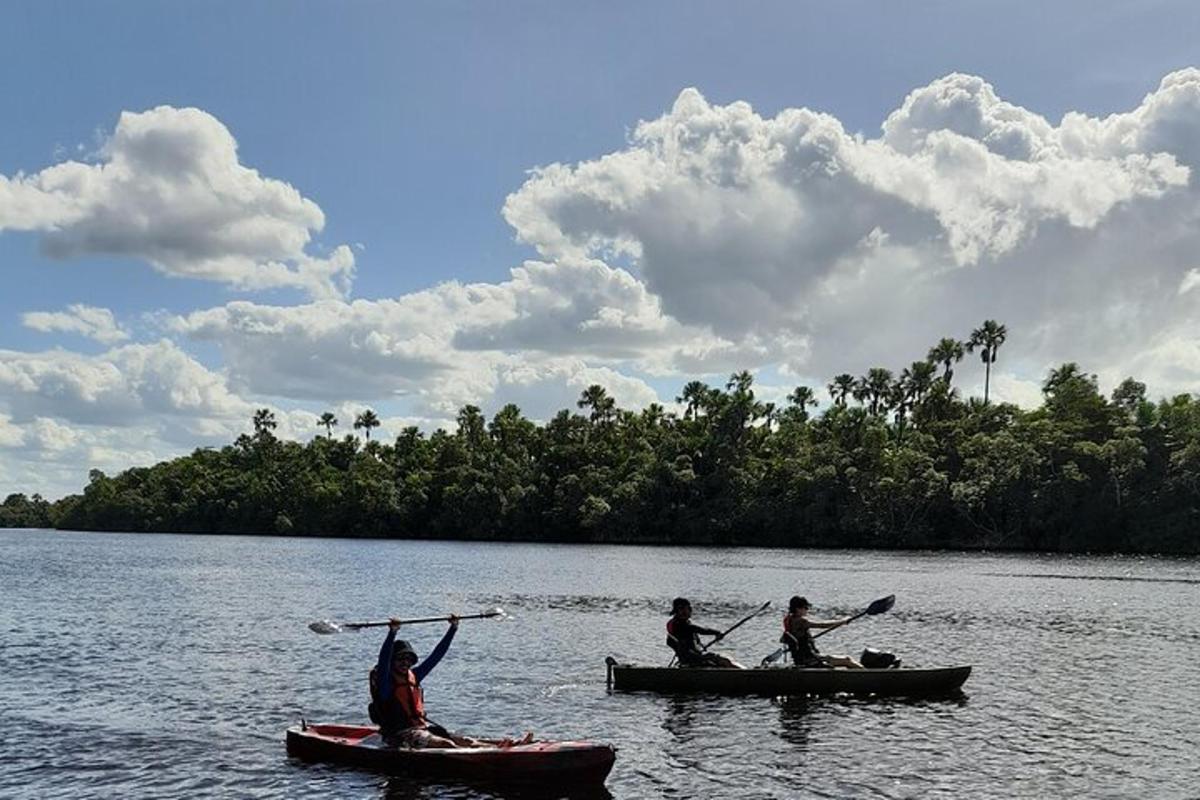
<point>398,702</point>
<point>683,636</point>
<point>797,636</point>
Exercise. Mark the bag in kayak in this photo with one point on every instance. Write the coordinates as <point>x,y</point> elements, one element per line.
<point>878,659</point>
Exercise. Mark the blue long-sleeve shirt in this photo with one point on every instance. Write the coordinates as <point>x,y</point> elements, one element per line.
<point>383,669</point>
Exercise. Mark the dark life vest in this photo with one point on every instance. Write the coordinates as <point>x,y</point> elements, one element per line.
<point>799,642</point>
<point>683,643</point>
<point>404,709</point>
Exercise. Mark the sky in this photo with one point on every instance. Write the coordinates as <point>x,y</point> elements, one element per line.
<point>216,207</point>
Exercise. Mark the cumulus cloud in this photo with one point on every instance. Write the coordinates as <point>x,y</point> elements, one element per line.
<point>716,239</point>
<point>844,251</point>
<point>169,189</point>
<point>63,413</point>
<point>53,458</point>
<point>719,240</point>
<point>454,343</point>
<point>90,321</point>
<point>10,434</point>
<point>119,387</point>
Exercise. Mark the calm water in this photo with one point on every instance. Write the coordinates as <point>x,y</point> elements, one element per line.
<point>169,666</point>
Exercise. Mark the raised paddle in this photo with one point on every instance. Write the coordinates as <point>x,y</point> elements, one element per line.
<point>326,627</point>
<point>737,625</point>
<point>880,606</point>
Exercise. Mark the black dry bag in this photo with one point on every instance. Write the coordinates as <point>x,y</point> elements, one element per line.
<point>878,659</point>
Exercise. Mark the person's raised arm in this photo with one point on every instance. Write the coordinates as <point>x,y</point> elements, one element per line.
<point>826,623</point>
<point>426,666</point>
<point>383,670</point>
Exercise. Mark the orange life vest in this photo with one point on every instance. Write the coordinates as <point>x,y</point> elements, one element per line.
<point>406,708</point>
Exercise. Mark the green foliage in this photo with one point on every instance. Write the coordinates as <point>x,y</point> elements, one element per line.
<point>909,464</point>
<point>19,511</point>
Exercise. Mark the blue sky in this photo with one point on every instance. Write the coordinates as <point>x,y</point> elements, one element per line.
<point>409,125</point>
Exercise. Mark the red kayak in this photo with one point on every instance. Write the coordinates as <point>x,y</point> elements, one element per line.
<point>564,763</point>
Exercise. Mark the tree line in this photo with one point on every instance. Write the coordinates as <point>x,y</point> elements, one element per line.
<point>897,460</point>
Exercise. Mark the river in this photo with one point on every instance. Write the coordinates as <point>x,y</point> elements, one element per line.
<point>169,666</point>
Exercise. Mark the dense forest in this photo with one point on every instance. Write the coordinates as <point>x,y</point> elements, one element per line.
<point>896,460</point>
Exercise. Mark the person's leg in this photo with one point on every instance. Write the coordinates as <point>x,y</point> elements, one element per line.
<point>429,740</point>
<point>841,661</point>
<point>420,738</point>
<point>717,660</point>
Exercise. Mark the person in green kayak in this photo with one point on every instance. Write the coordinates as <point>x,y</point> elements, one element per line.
<point>398,701</point>
<point>683,636</point>
<point>797,636</point>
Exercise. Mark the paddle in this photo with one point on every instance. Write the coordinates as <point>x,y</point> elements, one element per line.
<point>880,606</point>
<point>326,627</point>
<point>736,625</point>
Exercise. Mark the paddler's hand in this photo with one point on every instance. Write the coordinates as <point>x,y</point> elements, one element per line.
<point>454,620</point>
<point>393,624</point>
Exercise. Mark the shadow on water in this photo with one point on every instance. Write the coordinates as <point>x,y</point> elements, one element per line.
<point>799,716</point>
<point>398,788</point>
<point>692,717</point>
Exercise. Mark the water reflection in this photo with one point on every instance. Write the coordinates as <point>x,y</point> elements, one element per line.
<point>406,789</point>
<point>800,715</point>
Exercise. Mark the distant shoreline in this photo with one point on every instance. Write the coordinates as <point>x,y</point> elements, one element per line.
<point>895,463</point>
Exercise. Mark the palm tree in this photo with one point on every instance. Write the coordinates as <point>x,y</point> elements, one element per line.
<point>329,421</point>
<point>918,378</point>
<point>472,428</point>
<point>596,398</point>
<point>768,415</point>
<point>653,415</point>
<point>876,388</point>
<point>987,338</point>
<point>740,382</point>
<point>841,387</point>
<point>1062,376</point>
<point>695,394</point>
<point>365,421</point>
<point>947,352</point>
<point>801,398</point>
<point>264,421</point>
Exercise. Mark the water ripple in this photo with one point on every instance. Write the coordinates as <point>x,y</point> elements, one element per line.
<point>169,667</point>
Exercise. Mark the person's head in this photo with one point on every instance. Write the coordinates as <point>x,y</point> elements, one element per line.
<point>798,604</point>
<point>403,655</point>
<point>680,607</point>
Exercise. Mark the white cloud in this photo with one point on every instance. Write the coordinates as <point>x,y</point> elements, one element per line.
<point>53,457</point>
<point>10,435</point>
<point>837,252</point>
<point>117,388</point>
<point>170,190</point>
<point>542,389</point>
<point>1008,388</point>
<point>715,240</point>
<point>453,343</point>
<point>90,321</point>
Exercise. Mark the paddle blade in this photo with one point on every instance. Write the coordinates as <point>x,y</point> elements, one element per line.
<point>495,613</point>
<point>882,605</point>
<point>325,627</point>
